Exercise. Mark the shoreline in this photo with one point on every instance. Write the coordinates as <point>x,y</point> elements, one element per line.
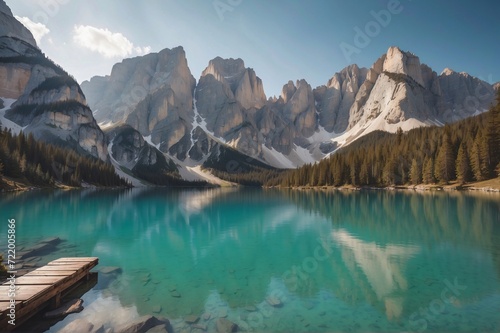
<point>488,186</point>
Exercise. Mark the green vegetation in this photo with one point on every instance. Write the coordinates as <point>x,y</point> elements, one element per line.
<point>464,151</point>
<point>164,173</point>
<point>24,114</point>
<point>403,78</point>
<point>28,161</point>
<point>57,82</point>
<point>230,165</point>
<point>39,59</point>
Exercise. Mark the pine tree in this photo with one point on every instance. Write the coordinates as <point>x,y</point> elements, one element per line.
<point>354,173</point>
<point>415,172</point>
<point>463,168</point>
<point>478,163</point>
<point>428,171</point>
<point>22,163</point>
<point>445,163</point>
<point>491,143</point>
<point>390,175</point>
<point>364,174</point>
<point>322,174</point>
<point>338,171</point>
<point>399,135</point>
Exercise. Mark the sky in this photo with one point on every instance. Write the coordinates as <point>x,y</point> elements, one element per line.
<point>281,40</point>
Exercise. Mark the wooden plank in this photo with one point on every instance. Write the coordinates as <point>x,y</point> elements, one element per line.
<point>23,293</point>
<point>49,273</point>
<point>69,263</point>
<point>35,280</point>
<point>86,259</point>
<point>60,268</point>
<point>5,306</point>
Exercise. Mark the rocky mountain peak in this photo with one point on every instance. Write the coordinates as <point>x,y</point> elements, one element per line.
<point>245,86</point>
<point>448,71</point>
<point>225,70</point>
<point>400,62</point>
<point>4,8</point>
<point>10,27</point>
<point>288,91</point>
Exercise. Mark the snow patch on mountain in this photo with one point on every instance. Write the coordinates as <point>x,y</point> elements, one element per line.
<point>119,171</point>
<point>6,123</point>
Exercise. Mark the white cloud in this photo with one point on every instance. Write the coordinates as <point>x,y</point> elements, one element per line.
<point>107,43</point>
<point>37,29</point>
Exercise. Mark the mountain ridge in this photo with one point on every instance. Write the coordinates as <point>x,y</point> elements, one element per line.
<point>305,124</point>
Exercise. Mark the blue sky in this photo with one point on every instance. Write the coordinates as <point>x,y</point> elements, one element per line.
<point>282,40</point>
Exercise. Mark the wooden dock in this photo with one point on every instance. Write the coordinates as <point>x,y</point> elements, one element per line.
<point>42,287</point>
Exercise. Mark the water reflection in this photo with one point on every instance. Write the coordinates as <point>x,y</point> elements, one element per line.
<point>383,267</point>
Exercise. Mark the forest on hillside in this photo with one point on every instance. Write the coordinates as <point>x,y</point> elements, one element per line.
<point>465,151</point>
<point>28,161</point>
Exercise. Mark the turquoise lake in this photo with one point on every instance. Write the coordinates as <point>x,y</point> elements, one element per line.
<point>364,261</point>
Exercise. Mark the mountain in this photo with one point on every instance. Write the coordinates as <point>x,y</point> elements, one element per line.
<point>39,97</point>
<point>465,151</point>
<point>10,27</point>
<point>157,95</point>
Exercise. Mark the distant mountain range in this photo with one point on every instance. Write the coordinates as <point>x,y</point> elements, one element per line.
<point>152,106</point>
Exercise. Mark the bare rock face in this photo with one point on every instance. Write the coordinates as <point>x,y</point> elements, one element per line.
<point>49,103</point>
<point>299,107</point>
<point>14,79</point>
<point>129,149</point>
<point>202,144</point>
<point>464,95</point>
<point>244,84</point>
<point>406,63</point>
<point>336,98</point>
<point>496,86</point>
<point>116,96</point>
<point>229,97</point>
<point>226,94</point>
<point>153,94</point>
<point>10,27</point>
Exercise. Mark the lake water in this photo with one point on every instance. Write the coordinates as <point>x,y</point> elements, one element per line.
<point>334,261</point>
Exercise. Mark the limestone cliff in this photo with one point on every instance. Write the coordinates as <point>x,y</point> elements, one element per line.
<point>44,99</point>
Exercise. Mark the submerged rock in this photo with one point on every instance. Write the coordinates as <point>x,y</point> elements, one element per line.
<point>110,270</point>
<point>158,329</point>
<point>274,301</point>
<point>226,326</point>
<point>200,327</point>
<point>73,306</point>
<point>192,319</point>
<point>251,308</point>
<point>52,240</point>
<point>141,325</point>
<point>82,326</point>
